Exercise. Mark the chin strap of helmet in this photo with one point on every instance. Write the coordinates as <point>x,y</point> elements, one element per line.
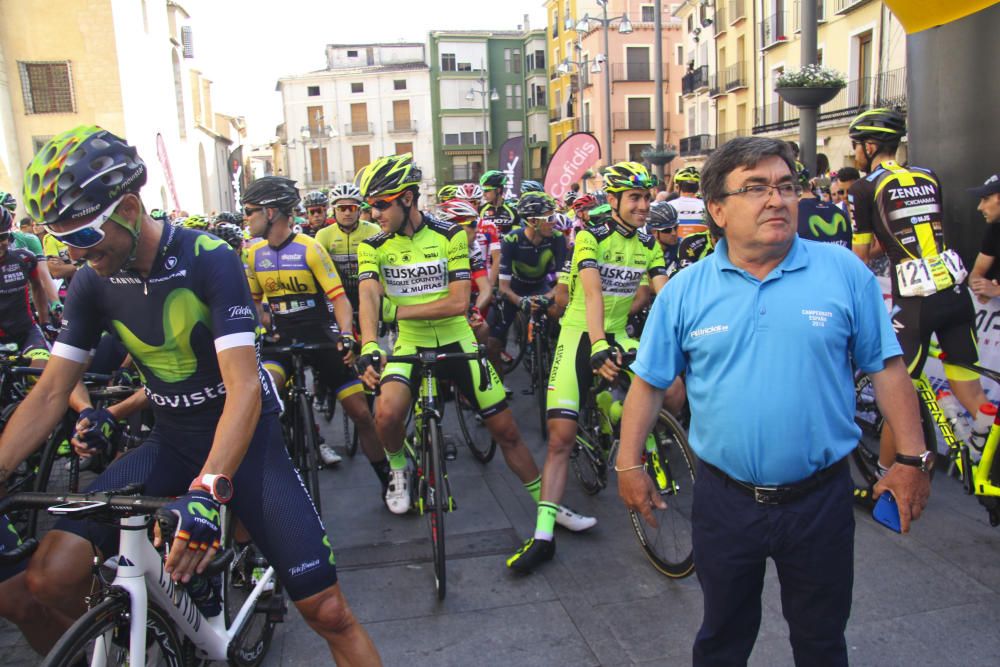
<point>617,214</point>
<point>133,230</point>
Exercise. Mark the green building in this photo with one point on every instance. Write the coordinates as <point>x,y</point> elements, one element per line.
<point>486,87</point>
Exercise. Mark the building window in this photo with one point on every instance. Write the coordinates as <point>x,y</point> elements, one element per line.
<point>466,168</point>
<point>448,62</point>
<point>512,61</point>
<point>403,147</point>
<point>47,87</point>
<point>464,67</point>
<point>313,91</point>
<point>680,104</point>
<point>516,61</point>
<point>648,13</point>
<point>399,84</point>
<point>515,128</point>
<point>513,96</point>
<point>358,87</point>
<point>352,54</point>
<point>680,55</point>
<point>465,139</point>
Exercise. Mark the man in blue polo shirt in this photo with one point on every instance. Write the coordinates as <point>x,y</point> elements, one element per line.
<point>767,331</point>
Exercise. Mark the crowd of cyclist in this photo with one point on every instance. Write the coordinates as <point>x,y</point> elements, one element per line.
<point>344,264</point>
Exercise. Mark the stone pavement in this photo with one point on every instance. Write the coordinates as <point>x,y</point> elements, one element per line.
<point>928,598</point>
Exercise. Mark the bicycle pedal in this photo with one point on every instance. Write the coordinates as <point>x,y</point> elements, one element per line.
<point>274,606</point>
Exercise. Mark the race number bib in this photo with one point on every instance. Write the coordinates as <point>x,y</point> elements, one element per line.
<point>923,277</point>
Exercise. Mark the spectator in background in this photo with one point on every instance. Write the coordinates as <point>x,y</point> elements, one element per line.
<point>983,280</point>
<point>845,177</point>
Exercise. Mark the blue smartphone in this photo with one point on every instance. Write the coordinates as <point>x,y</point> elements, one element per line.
<point>886,512</point>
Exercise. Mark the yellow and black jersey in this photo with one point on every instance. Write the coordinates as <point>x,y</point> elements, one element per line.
<point>297,278</point>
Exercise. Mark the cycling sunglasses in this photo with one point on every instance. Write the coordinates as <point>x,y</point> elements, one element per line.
<point>383,203</point>
<point>91,233</point>
<point>314,211</point>
<point>347,208</point>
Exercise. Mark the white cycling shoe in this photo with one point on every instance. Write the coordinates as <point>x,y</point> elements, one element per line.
<point>397,498</point>
<point>572,521</point>
<point>329,456</point>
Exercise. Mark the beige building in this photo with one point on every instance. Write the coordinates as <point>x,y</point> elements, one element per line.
<point>129,67</point>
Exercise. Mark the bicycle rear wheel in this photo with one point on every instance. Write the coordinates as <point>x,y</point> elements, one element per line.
<point>310,451</point>
<point>869,418</point>
<point>436,502</point>
<point>477,436</point>
<point>101,637</point>
<point>588,466</point>
<point>251,644</point>
<point>671,466</point>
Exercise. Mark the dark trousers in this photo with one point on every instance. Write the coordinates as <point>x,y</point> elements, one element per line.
<point>811,541</point>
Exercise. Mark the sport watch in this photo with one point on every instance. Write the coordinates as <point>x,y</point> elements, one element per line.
<point>924,462</point>
<point>220,486</point>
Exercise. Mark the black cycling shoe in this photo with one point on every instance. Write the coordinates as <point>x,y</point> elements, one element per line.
<point>532,554</point>
<point>450,450</point>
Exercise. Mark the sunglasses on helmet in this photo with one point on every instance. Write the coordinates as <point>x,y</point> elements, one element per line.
<point>91,233</point>
<point>381,204</point>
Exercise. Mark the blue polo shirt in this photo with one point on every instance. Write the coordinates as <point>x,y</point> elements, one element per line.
<point>769,363</point>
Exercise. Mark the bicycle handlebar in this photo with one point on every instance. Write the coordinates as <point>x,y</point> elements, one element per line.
<point>18,553</point>
<point>299,348</point>
<point>428,358</point>
<point>118,504</point>
<point>97,378</point>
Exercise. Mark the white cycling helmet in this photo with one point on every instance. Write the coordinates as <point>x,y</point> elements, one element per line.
<point>469,192</point>
<point>345,191</point>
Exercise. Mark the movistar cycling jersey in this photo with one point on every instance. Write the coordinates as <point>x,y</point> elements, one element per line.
<point>503,217</point>
<point>690,215</point>
<point>297,277</point>
<point>193,305</point>
<point>527,265</point>
<point>623,256</point>
<point>823,221</point>
<point>17,267</point>
<point>902,207</point>
<point>419,269</point>
<point>343,248</point>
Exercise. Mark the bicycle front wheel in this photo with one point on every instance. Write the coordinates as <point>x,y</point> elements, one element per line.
<point>477,436</point>
<point>588,466</point>
<point>670,464</point>
<point>251,643</point>
<point>101,637</point>
<point>310,451</point>
<point>436,503</point>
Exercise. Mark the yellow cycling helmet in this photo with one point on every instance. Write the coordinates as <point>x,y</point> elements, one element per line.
<point>389,175</point>
<point>623,176</point>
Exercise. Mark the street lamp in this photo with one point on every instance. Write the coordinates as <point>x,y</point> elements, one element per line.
<point>624,28</point>
<point>484,92</point>
<point>565,68</point>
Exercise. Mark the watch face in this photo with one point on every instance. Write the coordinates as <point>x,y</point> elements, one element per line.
<point>223,488</point>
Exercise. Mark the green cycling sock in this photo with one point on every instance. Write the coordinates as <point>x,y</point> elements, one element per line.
<point>545,525</point>
<point>397,460</point>
<point>534,487</point>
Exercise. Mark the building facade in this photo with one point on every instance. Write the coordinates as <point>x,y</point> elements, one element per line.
<point>487,87</point>
<point>141,83</point>
<point>698,97</point>
<point>370,100</point>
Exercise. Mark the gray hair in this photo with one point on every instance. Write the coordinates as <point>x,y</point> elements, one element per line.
<point>741,152</point>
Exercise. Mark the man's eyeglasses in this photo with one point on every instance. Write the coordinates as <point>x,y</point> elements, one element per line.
<point>841,193</point>
<point>347,208</point>
<point>668,230</point>
<point>761,192</point>
<point>317,211</point>
<point>91,233</point>
<point>383,203</point>
<point>247,211</point>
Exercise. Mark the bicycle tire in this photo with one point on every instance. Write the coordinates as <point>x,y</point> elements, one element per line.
<point>310,451</point>
<point>516,346</point>
<point>54,474</point>
<point>477,437</point>
<point>110,620</point>
<point>254,639</point>
<point>869,418</point>
<point>541,381</point>
<point>436,503</point>
<point>586,466</point>
<point>669,547</point>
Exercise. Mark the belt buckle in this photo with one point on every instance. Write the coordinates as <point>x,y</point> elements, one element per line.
<point>761,495</point>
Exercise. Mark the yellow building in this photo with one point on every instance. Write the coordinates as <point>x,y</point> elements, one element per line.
<point>729,85</point>
<point>566,84</point>
<point>859,38</point>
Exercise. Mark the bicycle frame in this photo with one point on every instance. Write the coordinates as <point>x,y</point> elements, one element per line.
<point>140,573</point>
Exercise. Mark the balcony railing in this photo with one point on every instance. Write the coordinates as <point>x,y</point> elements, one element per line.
<point>636,71</point>
<point>699,144</point>
<point>844,6</point>
<point>695,79</point>
<point>735,76</point>
<point>737,10</point>
<point>356,129</point>
<point>554,115</point>
<point>635,120</point>
<point>797,13</point>
<point>318,179</point>
<point>714,86</point>
<point>886,90</point>
<point>402,126</point>
<point>774,29</point>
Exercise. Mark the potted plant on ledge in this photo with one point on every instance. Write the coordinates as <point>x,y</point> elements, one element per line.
<point>810,86</point>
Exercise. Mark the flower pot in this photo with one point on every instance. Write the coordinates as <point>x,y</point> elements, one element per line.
<point>807,97</point>
<point>660,157</point>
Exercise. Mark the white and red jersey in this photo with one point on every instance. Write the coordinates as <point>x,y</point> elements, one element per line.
<point>487,239</point>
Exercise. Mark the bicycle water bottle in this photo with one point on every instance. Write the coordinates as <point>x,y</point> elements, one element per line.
<point>981,426</point>
<point>953,411</point>
<point>206,593</point>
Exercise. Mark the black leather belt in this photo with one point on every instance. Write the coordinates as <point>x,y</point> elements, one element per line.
<point>779,495</point>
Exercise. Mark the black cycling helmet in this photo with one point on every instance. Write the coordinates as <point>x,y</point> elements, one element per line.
<point>878,125</point>
<point>230,218</point>
<point>7,201</point>
<point>6,220</point>
<point>315,198</point>
<point>273,192</point>
<point>230,233</point>
<point>661,216</point>
<point>531,186</point>
<point>79,173</point>
<point>535,205</point>
<point>493,179</point>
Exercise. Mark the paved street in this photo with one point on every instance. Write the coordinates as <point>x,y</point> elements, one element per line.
<point>930,598</point>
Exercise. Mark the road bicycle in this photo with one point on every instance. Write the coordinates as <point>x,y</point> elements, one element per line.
<point>432,490</point>
<point>538,357</point>
<point>667,458</point>
<point>979,478</point>
<point>516,342</point>
<point>138,615</point>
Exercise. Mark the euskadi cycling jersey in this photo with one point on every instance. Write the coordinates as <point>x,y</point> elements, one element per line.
<point>419,269</point>
<point>503,217</point>
<point>690,215</point>
<point>623,256</point>
<point>824,222</point>
<point>527,264</point>
<point>17,267</point>
<point>902,207</point>
<point>297,277</point>
<point>342,245</point>
<point>193,304</point>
